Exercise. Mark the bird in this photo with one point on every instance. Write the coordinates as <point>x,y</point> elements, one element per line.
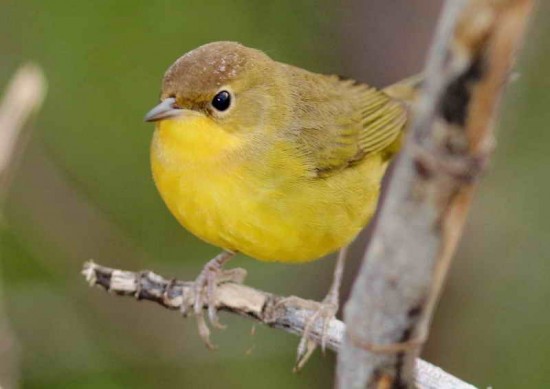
<point>270,160</point>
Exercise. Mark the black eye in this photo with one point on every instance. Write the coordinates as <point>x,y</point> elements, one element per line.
<point>222,100</point>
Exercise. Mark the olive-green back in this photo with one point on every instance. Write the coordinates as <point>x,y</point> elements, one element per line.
<point>339,122</point>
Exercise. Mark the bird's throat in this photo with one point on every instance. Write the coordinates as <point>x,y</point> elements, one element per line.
<point>192,141</point>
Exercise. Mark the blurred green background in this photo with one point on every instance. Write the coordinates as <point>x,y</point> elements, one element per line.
<point>83,190</point>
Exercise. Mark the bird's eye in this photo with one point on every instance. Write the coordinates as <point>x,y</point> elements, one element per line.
<point>222,100</point>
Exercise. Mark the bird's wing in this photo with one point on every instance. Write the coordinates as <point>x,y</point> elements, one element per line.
<point>341,122</point>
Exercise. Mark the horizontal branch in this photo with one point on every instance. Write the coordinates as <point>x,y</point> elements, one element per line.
<point>271,310</point>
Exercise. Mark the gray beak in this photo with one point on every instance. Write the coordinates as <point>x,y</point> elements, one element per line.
<point>164,110</point>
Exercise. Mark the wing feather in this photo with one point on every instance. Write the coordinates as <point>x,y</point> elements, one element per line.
<point>337,123</point>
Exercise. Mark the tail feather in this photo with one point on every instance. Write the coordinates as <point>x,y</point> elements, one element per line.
<point>406,90</point>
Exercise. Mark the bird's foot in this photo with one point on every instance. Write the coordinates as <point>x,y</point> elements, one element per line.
<point>324,313</point>
<point>205,285</point>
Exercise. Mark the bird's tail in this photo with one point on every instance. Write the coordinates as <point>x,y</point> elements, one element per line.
<point>406,90</point>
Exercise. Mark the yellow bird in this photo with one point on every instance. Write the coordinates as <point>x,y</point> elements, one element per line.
<point>269,160</point>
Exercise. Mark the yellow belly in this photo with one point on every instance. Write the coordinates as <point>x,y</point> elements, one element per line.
<point>263,206</point>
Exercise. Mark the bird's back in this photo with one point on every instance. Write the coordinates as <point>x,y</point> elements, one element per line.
<point>337,122</point>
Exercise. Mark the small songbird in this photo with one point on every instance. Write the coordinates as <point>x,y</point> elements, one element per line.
<point>269,160</point>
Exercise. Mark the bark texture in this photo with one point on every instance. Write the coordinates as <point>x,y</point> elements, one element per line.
<point>271,310</point>
<point>421,218</point>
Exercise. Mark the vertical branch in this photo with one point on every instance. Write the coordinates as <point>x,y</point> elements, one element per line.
<point>23,97</point>
<point>392,302</point>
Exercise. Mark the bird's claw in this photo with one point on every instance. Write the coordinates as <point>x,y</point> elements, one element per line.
<point>205,286</point>
<point>325,312</point>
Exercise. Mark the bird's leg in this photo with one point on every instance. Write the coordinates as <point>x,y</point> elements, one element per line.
<point>205,293</point>
<point>326,312</point>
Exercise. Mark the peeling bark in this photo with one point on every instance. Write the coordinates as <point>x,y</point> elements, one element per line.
<point>422,216</point>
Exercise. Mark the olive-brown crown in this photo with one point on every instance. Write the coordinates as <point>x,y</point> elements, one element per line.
<point>249,75</point>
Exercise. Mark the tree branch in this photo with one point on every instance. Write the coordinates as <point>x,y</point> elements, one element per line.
<point>266,308</point>
<point>23,97</point>
<point>428,196</point>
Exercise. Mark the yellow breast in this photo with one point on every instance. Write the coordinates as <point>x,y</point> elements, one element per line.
<point>232,194</point>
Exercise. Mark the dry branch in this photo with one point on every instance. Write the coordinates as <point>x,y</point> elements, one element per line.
<point>422,216</point>
<point>23,97</point>
<point>266,308</point>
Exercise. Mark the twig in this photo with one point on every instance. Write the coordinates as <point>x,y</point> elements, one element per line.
<point>23,97</point>
<point>266,308</point>
<point>422,216</point>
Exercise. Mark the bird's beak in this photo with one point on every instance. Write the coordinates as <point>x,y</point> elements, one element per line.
<point>166,109</point>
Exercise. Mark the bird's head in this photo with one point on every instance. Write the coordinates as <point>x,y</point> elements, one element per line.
<point>239,88</point>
